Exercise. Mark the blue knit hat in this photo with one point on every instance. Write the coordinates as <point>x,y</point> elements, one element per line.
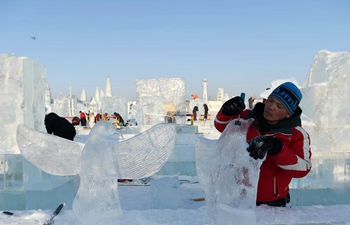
<point>289,95</point>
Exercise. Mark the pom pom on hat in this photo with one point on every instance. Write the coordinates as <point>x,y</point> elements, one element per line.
<point>289,95</point>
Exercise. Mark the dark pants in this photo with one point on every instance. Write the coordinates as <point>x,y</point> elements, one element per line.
<point>83,121</point>
<point>278,203</point>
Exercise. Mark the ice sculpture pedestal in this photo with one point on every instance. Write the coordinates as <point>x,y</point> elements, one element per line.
<point>25,187</point>
<point>182,161</point>
<point>326,184</point>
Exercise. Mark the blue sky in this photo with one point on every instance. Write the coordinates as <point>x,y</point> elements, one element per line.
<point>240,46</point>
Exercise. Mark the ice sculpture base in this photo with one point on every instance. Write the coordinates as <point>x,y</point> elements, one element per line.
<point>182,160</point>
<point>25,187</point>
<point>321,196</point>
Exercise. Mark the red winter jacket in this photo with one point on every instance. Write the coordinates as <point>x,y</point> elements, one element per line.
<point>294,160</point>
<point>82,115</point>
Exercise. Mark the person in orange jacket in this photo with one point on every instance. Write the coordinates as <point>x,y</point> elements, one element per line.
<point>277,134</point>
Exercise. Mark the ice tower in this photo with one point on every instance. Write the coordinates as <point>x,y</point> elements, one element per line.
<point>108,88</point>
<point>83,95</point>
<point>205,90</point>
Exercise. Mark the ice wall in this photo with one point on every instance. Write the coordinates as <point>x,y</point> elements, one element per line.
<point>23,87</point>
<point>325,104</point>
<point>159,97</point>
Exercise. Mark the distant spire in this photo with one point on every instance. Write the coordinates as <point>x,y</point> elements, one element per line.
<point>205,90</point>
<point>102,94</point>
<point>97,95</point>
<point>83,95</point>
<point>108,88</point>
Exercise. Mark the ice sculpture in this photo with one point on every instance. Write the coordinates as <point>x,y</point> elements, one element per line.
<point>102,159</point>
<point>159,97</point>
<point>50,153</point>
<point>23,87</point>
<point>230,183</point>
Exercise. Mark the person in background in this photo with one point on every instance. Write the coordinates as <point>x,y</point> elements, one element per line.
<point>82,118</point>
<point>276,133</point>
<point>105,117</point>
<point>75,121</point>
<point>119,118</point>
<point>91,118</point>
<point>59,126</point>
<point>251,102</point>
<point>206,109</point>
<point>194,112</point>
<point>97,117</point>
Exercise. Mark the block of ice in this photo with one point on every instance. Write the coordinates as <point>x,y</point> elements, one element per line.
<point>239,173</point>
<point>233,176</point>
<point>165,193</point>
<point>23,82</point>
<point>157,98</point>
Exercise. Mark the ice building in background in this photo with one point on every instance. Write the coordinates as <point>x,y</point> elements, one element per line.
<point>23,185</point>
<point>220,94</point>
<point>205,90</point>
<point>158,98</point>
<point>70,105</point>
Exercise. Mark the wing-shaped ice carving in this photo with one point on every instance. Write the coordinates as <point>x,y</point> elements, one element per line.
<point>144,154</point>
<point>52,154</point>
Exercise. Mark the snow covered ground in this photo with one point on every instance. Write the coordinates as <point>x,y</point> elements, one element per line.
<point>135,201</point>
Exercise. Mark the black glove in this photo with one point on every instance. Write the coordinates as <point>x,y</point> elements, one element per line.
<point>259,145</point>
<point>232,107</point>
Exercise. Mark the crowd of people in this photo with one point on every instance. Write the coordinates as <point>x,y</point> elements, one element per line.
<point>92,119</point>
<point>61,127</point>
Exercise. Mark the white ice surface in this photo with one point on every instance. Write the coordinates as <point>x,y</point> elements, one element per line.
<point>135,202</point>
